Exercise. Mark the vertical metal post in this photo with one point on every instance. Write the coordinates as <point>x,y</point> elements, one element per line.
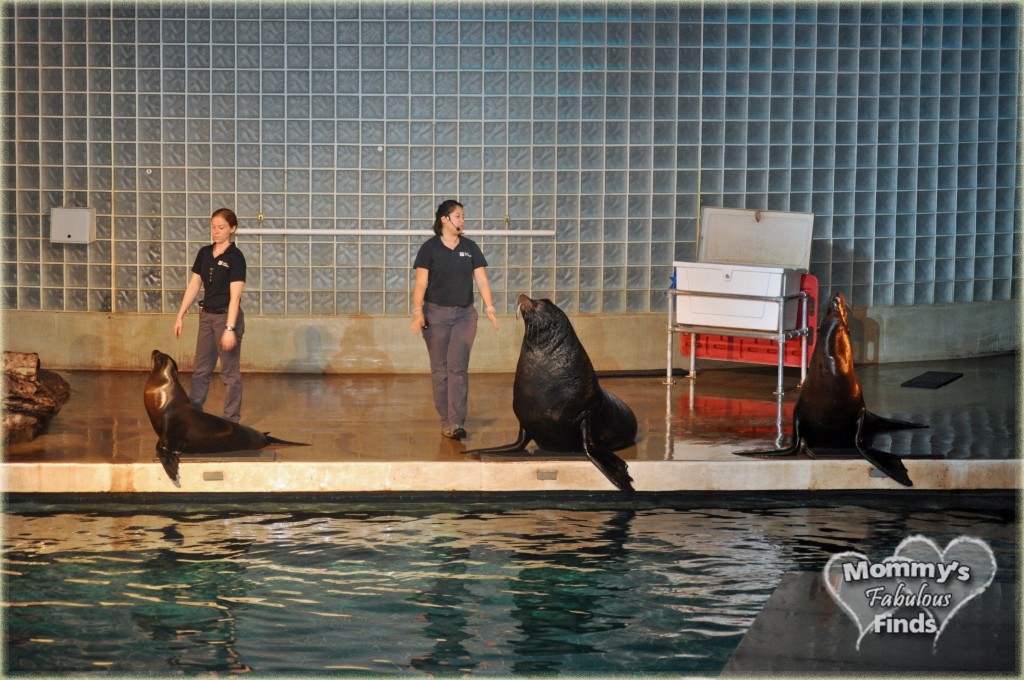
<point>668,349</point>
<point>781,339</point>
<point>693,356</point>
<point>803,340</point>
<point>782,345</point>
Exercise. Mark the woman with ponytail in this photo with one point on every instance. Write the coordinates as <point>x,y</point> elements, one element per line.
<point>446,267</point>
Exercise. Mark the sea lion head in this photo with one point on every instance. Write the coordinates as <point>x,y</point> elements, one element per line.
<point>164,366</point>
<point>837,309</point>
<point>834,336</point>
<point>543,320</point>
<point>551,350</point>
<point>162,387</point>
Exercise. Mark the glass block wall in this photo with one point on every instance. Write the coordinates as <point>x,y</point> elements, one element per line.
<point>583,137</point>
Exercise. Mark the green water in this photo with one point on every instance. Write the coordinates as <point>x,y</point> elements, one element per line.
<point>424,588</point>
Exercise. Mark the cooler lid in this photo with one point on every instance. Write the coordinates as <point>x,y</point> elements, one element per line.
<point>764,238</point>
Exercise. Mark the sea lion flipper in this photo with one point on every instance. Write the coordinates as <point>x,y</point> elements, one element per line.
<point>610,465</point>
<point>876,423</point>
<point>884,461</point>
<point>792,450</point>
<point>281,442</point>
<point>519,444</point>
<point>795,447</point>
<point>170,459</point>
<point>889,463</point>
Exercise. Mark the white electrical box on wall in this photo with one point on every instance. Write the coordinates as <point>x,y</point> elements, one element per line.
<point>72,225</point>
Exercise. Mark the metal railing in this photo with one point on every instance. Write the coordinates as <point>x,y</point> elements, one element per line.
<point>781,335</point>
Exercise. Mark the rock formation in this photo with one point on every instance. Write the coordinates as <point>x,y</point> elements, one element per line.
<point>32,396</point>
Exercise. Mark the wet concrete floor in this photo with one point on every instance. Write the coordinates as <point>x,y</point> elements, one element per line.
<point>391,417</point>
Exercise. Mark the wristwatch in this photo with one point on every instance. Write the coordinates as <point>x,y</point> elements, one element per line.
<point>229,328</point>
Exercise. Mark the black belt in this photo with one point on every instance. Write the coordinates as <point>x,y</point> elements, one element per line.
<point>449,306</point>
<point>211,310</point>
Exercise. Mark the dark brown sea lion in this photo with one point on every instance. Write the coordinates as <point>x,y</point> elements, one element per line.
<point>183,429</point>
<point>557,398</point>
<point>830,418</point>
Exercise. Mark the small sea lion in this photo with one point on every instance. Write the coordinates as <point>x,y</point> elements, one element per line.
<point>830,418</point>
<point>183,429</point>
<point>558,401</point>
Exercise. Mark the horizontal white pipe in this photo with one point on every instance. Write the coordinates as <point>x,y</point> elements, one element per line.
<point>391,232</point>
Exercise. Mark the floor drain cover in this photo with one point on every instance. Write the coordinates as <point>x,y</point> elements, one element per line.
<point>933,379</point>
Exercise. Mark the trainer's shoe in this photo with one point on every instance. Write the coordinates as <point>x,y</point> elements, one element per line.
<point>454,432</point>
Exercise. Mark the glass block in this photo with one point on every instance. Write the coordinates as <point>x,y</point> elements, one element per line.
<point>637,300</point>
<point>126,301</point>
<point>52,299</point>
<point>1002,267</point>
<point>542,282</point>
<point>346,303</point>
<point>298,302</point>
<point>963,291</point>
<point>983,291</point>
<point>589,278</point>
<point>924,292</point>
<point>904,272</point>
<point>322,302</point>
<point>346,278</point>
<point>272,302</point>
<point>612,301</point>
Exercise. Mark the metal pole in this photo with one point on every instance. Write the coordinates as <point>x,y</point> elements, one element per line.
<point>781,338</point>
<point>803,342</point>
<point>782,344</point>
<point>693,356</point>
<point>668,349</point>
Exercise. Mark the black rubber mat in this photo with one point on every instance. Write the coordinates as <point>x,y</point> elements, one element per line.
<point>933,380</point>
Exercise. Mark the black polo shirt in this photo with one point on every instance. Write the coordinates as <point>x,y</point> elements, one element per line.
<point>218,274</point>
<point>450,281</point>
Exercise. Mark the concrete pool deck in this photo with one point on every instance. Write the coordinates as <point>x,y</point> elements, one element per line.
<point>379,433</point>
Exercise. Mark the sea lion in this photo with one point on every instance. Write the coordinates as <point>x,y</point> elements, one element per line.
<point>830,418</point>
<point>557,399</point>
<point>182,428</point>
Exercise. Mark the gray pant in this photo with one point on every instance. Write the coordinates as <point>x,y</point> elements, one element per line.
<point>449,336</point>
<point>208,350</point>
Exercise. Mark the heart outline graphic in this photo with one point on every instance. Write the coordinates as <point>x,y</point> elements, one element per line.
<point>833,588</point>
<point>974,553</point>
<point>918,543</point>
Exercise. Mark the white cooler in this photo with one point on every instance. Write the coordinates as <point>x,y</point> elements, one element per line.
<point>754,255</point>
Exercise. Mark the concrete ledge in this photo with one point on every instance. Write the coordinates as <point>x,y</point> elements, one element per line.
<point>386,344</point>
<point>507,476</point>
<point>932,332</point>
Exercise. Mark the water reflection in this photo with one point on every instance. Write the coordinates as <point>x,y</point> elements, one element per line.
<point>447,621</point>
<point>560,604</point>
<point>185,602</point>
<point>731,419</point>
<point>428,591</point>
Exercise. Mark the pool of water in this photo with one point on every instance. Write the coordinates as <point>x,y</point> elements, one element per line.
<point>379,587</point>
